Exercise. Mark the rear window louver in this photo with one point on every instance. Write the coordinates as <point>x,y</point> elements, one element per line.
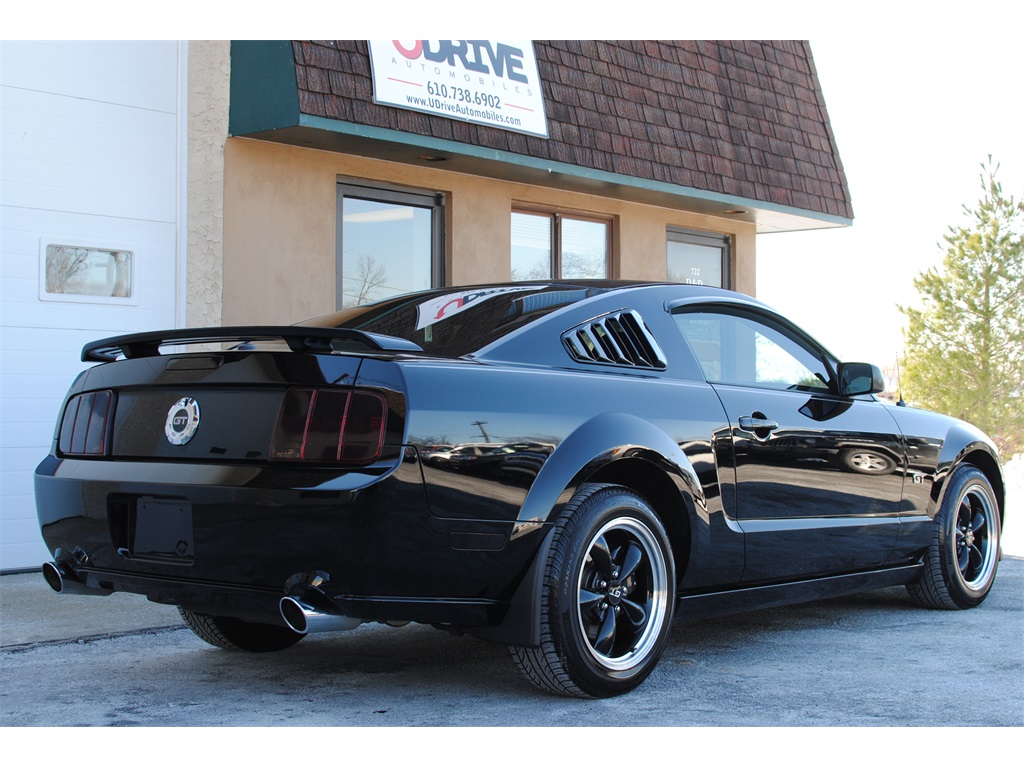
<point>618,338</point>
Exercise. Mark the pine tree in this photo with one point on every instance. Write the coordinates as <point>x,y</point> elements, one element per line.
<point>964,351</point>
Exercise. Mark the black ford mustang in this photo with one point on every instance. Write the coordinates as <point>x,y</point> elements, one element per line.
<point>560,467</point>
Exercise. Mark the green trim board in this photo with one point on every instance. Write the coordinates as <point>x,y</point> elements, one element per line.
<point>264,93</point>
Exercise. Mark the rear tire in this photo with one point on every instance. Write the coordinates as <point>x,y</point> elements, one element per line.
<point>237,635</point>
<point>960,565</point>
<point>608,597</point>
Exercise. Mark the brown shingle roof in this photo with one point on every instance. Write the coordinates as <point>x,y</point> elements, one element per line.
<point>741,118</point>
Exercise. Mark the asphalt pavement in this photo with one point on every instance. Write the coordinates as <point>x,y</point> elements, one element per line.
<point>31,613</point>
<point>874,659</point>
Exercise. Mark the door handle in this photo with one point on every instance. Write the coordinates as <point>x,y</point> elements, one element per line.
<point>757,423</point>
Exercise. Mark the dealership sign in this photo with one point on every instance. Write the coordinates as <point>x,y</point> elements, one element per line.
<point>490,82</point>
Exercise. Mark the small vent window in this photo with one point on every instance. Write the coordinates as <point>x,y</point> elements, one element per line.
<point>83,273</point>
<point>618,338</point>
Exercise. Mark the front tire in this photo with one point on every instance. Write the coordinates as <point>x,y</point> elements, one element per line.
<point>960,565</point>
<point>608,597</point>
<point>237,635</point>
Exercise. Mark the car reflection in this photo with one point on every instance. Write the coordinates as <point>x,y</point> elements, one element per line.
<point>867,461</point>
<point>798,448</point>
<point>518,461</point>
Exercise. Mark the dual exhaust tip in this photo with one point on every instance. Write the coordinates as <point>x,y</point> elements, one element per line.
<point>55,576</point>
<point>313,612</point>
<point>61,580</point>
<point>303,617</point>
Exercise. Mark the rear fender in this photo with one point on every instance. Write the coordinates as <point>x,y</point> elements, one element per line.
<point>594,445</point>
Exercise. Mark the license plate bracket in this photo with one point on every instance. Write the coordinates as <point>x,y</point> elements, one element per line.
<point>163,529</point>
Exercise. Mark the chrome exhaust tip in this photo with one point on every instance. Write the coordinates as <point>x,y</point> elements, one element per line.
<point>54,576</point>
<point>303,618</point>
<point>61,580</point>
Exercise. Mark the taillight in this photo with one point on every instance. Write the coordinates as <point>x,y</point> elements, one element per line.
<point>330,426</point>
<point>84,429</point>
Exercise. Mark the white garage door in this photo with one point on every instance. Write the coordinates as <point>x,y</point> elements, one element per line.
<point>91,153</point>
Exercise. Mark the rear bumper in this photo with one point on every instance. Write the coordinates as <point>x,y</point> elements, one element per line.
<point>231,540</point>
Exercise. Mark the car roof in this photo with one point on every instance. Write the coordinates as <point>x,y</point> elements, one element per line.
<point>598,286</point>
<point>503,321</point>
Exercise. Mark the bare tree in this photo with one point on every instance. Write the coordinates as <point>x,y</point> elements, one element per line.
<point>368,276</point>
<point>63,265</point>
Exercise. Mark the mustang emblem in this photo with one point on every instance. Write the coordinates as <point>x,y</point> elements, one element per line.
<point>182,421</point>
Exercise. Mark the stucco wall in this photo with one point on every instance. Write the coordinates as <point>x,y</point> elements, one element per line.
<point>744,261</point>
<point>209,68</point>
<point>279,227</point>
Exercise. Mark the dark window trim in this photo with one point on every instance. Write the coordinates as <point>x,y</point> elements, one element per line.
<point>711,239</point>
<point>771,321</point>
<point>557,216</point>
<point>362,189</point>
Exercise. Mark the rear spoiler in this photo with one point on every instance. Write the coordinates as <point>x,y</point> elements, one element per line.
<point>298,338</point>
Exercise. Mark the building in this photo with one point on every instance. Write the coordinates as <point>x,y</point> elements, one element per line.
<point>160,184</point>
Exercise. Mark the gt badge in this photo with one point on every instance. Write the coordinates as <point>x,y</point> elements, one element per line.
<point>182,421</point>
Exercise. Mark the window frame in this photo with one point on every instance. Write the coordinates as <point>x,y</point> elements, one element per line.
<point>557,217</point>
<point>703,238</point>
<point>132,250</point>
<point>778,326</point>
<point>381,192</point>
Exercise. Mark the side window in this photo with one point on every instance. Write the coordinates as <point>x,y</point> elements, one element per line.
<point>747,351</point>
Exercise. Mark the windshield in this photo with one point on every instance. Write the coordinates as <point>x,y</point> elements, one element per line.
<point>453,322</point>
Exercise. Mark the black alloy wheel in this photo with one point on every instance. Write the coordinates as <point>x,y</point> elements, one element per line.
<point>621,590</point>
<point>960,566</point>
<point>608,598</point>
<point>975,537</point>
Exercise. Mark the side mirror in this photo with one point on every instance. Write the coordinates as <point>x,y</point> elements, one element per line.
<point>860,379</point>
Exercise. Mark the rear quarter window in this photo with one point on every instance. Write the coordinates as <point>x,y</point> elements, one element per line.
<point>455,323</point>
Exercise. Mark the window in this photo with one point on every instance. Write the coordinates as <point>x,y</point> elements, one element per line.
<point>698,258</point>
<point>452,322</point>
<point>557,246</point>
<point>86,273</point>
<point>736,349</point>
<point>389,242</point>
